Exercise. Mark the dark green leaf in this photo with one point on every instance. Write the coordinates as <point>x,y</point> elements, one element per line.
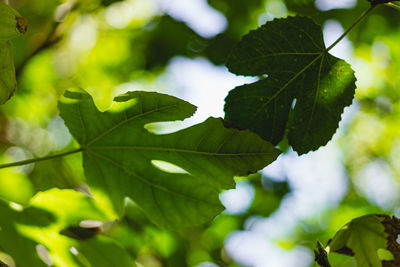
<point>118,155</point>
<point>292,52</point>
<point>80,233</point>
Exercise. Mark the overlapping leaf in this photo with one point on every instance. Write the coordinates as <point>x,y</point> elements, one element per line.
<point>301,72</point>
<point>118,154</point>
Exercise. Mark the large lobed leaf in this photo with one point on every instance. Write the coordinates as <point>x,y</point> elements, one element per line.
<point>292,52</point>
<point>118,153</point>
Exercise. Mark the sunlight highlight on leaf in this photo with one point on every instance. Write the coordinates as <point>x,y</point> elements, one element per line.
<point>119,156</point>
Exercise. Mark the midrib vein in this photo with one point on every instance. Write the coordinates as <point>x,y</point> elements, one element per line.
<point>287,84</point>
<point>127,120</point>
<point>149,148</point>
<point>151,184</point>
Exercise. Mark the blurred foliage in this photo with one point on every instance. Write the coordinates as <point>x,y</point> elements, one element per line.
<point>99,45</point>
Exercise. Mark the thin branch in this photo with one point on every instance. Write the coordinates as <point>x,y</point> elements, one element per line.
<point>397,7</point>
<point>52,38</point>
<point>28,161</point>
<point>360,18</point>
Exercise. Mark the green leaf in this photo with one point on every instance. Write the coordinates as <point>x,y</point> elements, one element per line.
<point>292,52</point>
<point>12,24</point>
<point>119,155</point>
<point>67,208</point>
<point>21,248</point>
<point>102,251</point>
<point>7,72</point>
<point>362,237</point>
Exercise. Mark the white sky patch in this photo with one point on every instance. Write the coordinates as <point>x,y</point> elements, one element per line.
<point>197,14</point>
<point>238,200</point>
<point>58,133</point>
<point>274,9</point>
<point>344,49</point>
<point>200,83</point>
<point>318,181</point>
<point>325,5</point>
<point>83,34</point>
<point>380,54</point>
<point>253,249</point>
<point>377,182</point>
<point>121,14</point>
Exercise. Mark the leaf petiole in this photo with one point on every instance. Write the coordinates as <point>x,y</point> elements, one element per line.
<point>397,7</point>
<point>360,18</point>
<point>28,161</point>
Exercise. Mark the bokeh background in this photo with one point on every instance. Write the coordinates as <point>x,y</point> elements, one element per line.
<point>179,47</point>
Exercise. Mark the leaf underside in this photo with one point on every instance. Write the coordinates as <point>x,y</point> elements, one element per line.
<point>301,73</point>
<point>118,153</point>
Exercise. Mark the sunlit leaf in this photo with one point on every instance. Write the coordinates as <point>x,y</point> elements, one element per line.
<point>21,248</point>
<point>117,155</point>
<point>371,239</point>
<point>292,52</point>
<point>67,208</point>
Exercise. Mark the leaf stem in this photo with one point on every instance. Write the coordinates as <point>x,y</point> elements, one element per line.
<point>397,7</point>
<point>28,161</point>
<point>360,18</point>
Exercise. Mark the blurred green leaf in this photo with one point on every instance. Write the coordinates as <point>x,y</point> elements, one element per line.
<point>68,208</point>
<point>118,154</point>
<point>21,248</point>
<point>292,52</point>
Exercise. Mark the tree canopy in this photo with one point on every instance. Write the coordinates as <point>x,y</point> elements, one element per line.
<point>110,154</point>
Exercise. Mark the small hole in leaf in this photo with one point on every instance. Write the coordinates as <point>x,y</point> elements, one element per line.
<point>16,206</point>
<point>167,167</point>
<point>294,103</point>
<point>90,224</point>
<point>44,254</point>
<point>74,251</point>
<point>398,239</point>
<point>165,127</point>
